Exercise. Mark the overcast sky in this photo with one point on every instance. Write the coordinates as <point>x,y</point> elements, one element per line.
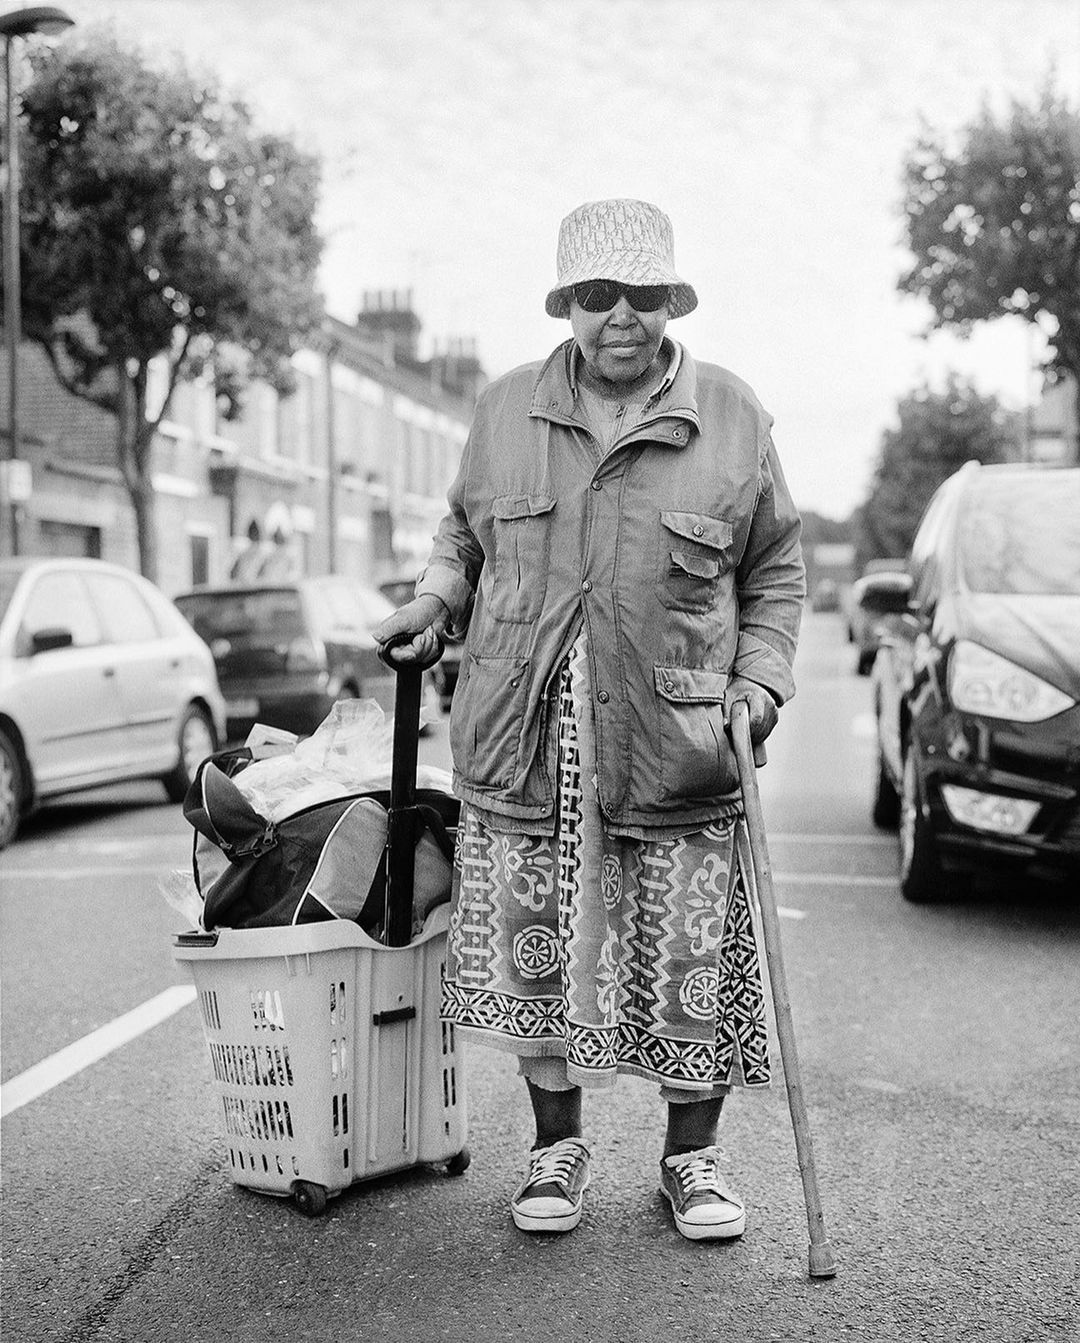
<point>455,135</point>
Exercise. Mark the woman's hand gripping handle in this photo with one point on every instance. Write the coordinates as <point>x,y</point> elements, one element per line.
<point>413,634</point>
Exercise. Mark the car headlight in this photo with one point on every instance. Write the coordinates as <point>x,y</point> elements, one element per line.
<point>985,683</point>
<point>989,811</point>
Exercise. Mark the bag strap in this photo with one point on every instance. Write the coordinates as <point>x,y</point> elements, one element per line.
<point>431,821</point>
<point>434,824</point>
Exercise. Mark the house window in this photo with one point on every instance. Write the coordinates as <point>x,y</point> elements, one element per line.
<point>67,540</point>
<point>199,547</point>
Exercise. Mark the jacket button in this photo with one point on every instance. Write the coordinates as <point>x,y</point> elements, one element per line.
<point>586,586</point>
<point>678,433</point>
<point>669,686</point>
<point>596,485</point>
<point>603,697</point>
<point>699,530</point>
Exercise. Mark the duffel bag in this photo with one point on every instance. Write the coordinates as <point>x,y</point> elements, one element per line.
<point>326,861</point>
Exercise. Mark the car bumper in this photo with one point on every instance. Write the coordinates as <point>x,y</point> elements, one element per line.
<point>1036,764</point>
<point>302,709</point>
<point>291,713</point>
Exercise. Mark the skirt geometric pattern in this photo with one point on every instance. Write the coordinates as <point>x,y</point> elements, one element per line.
<point>621,955</point>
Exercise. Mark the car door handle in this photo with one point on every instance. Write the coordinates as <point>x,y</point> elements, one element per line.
<point>108,671</point>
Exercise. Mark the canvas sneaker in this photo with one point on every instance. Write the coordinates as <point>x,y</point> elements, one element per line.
<point>705,1207</point>
<point>549,1199</point>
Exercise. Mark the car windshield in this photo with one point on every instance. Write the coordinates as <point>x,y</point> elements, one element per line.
<point>1022,535</point>
<point>341,604</point>
<point>235,615</point>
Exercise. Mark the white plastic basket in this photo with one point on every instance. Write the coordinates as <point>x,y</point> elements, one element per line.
<point>328,1054</point>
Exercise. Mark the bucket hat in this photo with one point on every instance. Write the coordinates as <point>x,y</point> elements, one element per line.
<point>625,240</point>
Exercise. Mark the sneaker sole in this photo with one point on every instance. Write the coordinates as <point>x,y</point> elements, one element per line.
<point>561,1222</point>
<point>704,1230</point>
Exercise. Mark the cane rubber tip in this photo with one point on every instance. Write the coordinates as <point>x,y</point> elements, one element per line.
<point>822,1263</point>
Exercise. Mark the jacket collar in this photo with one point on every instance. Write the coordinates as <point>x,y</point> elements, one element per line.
<point>555,393</point>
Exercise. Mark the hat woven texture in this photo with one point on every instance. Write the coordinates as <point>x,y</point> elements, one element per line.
<point>625,240</point>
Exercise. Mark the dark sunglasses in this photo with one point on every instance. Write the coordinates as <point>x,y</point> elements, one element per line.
<point>602,295</point>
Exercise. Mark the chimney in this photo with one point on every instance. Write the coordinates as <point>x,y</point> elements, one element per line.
<point>388,319</point>
<point>461,371</point>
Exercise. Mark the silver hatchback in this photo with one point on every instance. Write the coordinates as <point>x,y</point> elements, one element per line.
<point>102,680</point>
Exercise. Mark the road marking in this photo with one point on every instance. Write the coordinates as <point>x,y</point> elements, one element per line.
<point>73,1058</point>
<point>875,841</point>
<point>786,912</point>
<point>125,845</point>
<point>833,879</point>
<point>864,725</point>
<point>76,873</point>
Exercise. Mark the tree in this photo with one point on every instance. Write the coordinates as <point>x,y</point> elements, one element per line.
<point>995,226</point>
<point>157,222</point>
<point>937,433</point>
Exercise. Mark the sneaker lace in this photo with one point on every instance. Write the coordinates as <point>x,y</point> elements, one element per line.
<point>550,1165</point>
<point>699,1172</point>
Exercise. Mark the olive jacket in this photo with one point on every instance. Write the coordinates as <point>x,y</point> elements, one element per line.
<point>680,552</point>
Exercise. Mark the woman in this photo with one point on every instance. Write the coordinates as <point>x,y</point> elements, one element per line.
<point>623,550</point>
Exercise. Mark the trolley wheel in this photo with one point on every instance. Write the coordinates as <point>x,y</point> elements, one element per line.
<point>309,1198</point>
<point>459,1163</point>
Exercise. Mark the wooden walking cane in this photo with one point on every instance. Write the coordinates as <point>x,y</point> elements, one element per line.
<point>822,1263</point>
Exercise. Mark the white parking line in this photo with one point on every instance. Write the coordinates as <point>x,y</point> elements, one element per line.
<point>864,725</point>
<point>874,841</point>
<point>81,873</point>
<point>73,1058</point>
<point>832,879</point>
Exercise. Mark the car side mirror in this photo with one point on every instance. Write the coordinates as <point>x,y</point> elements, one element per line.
<point>43,641</point>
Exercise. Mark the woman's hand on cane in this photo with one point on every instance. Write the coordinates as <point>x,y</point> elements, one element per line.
<point>761,706</point>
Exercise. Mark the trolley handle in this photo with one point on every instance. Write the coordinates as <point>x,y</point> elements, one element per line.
<point>397,641</point>
<point>403,824</point>
<point>195,938</point>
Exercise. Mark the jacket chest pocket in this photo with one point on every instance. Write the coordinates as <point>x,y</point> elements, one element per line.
<point>694,551</point>
<point>522,527</point>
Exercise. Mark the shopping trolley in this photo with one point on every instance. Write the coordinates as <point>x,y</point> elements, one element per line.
<point>329,1058</point>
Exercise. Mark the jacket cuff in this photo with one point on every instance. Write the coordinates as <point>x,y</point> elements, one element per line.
<point>450,587</point>
<point>759,662</point>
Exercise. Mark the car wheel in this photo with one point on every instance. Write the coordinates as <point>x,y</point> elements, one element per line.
<point>196,740</point>
<point>12,789</point>
<point>921,877</point>
<point>886,809</point>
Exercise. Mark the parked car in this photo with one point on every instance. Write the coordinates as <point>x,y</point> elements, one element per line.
<point>285,652</point>
<point>876,598</point>
<point>977,685</point>
<point>445,672</point>
<point>101,681</point>
<point>825,595</point>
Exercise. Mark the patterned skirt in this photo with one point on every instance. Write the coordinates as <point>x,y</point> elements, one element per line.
<point>621,955</point>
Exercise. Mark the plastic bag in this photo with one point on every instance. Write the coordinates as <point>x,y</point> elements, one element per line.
<point>181,893</point>
<point>350,752</point>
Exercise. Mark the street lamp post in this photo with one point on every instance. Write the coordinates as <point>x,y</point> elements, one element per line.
<point>46,20</point>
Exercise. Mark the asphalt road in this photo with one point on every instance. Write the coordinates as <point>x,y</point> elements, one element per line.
<point>940,1055</point>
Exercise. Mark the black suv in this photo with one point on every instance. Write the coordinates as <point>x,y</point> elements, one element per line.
<point>977,682</point>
